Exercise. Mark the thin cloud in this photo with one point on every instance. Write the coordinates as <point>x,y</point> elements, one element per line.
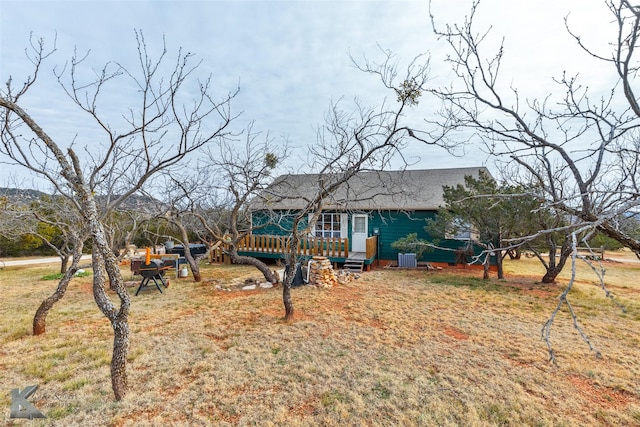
<point>291,58</point>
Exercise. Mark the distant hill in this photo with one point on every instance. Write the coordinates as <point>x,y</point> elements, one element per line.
<point>26,196</point>
<point>135,203</point>
<point>20,195</point>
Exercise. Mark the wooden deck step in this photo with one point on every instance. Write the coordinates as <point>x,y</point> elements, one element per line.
<point>354,265</point>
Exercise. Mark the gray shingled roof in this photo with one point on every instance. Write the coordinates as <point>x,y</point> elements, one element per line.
<point>370,190</point>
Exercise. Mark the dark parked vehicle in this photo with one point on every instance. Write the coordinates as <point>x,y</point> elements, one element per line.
<point>196,249</point>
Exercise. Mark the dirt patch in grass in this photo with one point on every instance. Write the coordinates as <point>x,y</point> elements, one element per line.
<point>86,288</point>
<point>532,286</point>
<point>605,397</point>
<point>455,333</point>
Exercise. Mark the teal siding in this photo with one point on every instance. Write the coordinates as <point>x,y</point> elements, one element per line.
<point>275,223</point>
<point>395,225</point>
<point>392,225</point>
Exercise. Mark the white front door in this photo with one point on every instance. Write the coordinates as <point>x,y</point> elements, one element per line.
<point>359,233</point>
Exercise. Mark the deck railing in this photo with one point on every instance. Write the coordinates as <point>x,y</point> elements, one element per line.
<point>219,255</point>
<point>372,246</point>
<point>333,247</point>
<point>278,245</point>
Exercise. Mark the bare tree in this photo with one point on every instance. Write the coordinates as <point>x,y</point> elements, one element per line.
<point>552,247</point>
<point>157,135</point>
<point>61,228</point>
<point>122,226</point>
<point>583,154</point>
<point>581,150</point>
<point>234,174</point>
<point>76,238</point>
<point>363,139</point>
<point>58,213</point>
<point>18,224</point>
<point>184,224</point>
<point>175,210</point>
<point>55,213</point>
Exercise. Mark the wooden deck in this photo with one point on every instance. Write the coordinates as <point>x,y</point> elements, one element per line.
<point>270,246</point>
<point>267,244</point>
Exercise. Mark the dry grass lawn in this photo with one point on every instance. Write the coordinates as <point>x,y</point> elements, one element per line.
<point>410,348</point>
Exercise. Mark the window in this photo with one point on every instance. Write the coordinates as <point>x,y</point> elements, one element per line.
<point>359,224</point>
<point>329,225</point>
<point>459,230</point>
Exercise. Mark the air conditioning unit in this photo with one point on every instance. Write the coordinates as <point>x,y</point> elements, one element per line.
<point>407,260</point>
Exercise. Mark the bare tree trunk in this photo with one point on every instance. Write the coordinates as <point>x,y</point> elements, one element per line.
<point>288,302</point>
<point>268,274</point>
<point>193,263</point>
<point>499,264</point>
<point>40,318</point>
<point>515,253</point>
<point>119,358</point>
<point>118,319</point>
<point>104,261</point>
<point>197,277</point>
<point>64,261</point>
<point>286,291</point>
<point>554,268</point>
<point>551,274</point>
<point>485,266</point>
<point>290,272</point>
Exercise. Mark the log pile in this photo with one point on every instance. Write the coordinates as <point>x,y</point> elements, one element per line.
<point>321,273</point>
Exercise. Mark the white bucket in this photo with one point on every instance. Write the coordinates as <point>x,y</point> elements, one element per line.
<point>184,272</point>
<point>168,244</point>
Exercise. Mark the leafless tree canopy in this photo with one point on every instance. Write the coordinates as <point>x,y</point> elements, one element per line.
<point>352,140</point>
<point>176,114</point>
<point>582,151</point>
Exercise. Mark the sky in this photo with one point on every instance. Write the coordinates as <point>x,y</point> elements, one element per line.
<point>291,59</point>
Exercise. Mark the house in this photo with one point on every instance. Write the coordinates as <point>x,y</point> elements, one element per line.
<point>360,220</point>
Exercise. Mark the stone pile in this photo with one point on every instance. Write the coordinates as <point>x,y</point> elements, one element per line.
<point>345,277</point>
<point>321,273</point>
<point>246,285</point>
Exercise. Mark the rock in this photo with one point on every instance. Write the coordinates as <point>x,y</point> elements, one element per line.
<point>249,287</point>
<point>266,285</point>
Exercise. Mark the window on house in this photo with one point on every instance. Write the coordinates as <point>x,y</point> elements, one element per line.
<point>329,225</point>
<point>459,230</point>
<point>359,224</point>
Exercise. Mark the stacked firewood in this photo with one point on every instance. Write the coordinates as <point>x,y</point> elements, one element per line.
<point>321,273</point>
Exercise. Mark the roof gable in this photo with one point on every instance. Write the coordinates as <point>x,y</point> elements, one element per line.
<point>368,190</point>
